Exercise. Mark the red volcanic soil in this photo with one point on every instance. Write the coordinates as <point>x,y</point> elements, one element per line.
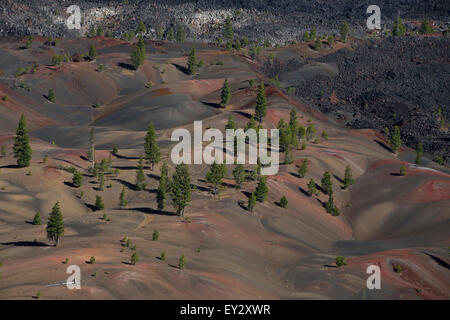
<point>431,190</point>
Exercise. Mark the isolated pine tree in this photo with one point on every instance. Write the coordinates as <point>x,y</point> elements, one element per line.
<point>163,188</point>
<point>182,262</point>
<point>55,224</point>
<point>92,52</point>
<point>228,33</point>
<point>303,169</point>
<point>261,103</point>
<point>91,151</point>
<point>312,187</point>
<point>251,202</point>
<point>344,31</point>
<point>151,148</point>
<point>77,179</point>
<point>140,176</point>
<point>99,205</point>
<point>51,95</point>
<point>138,54</point>
<point>134,258</point>
<point>36,219</point>
<point>122,198</point>
<point>22,149</point>
<point>215,175</point>
<point>192,62</point>
<point>419,152</point>
<point>225,95</point>
<point>171,35</point>
<point>262,190</point>
<point>348,179</point>
<point>425,27</point>
<point>283,202</point>
<point>326,183</point>
<point>239,175</point>
<point>181,34</point>
<point>181,188</point>
<point>141,29</point>
<point>395,141</point>
<point>399,29</point>
<point>101,181</point>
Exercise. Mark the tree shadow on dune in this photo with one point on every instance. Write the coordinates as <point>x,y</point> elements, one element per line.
<point>212,104</point>
<point>304,191</point>
<point>27,244</point>
<point>127,184</point>
<point>126,66</point>
<point>383,145</point>
<point>153,211</point>
<point>10,166</point>
<point>181,68</point>
<point>126,157</point>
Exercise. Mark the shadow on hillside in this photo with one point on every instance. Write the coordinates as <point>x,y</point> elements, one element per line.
<point>383,145</point>
<point>153,211</point>
<point>126,157</point>
<point>127,184</point>
<point>181,68</point>
<point>10,166</point>
<point>126,66</point>
<point>212,104</point>
<point>27,244</point>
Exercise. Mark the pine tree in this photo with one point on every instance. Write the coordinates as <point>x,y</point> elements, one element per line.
<point>403,171</point>
<point>91,151</point>
<point>141,29</point>
<point>22,149</point>
<point>77,179</point>
<point>395,141</point>
<point>163,187</point>
<point>215,175</point>
<point>230,124</point>
<point>101,181</point>
<point>138,54</point>
<point>348,179</point>
<point>225,95</point>
<point>317,44</point>
<point>171,35</point>
<point>181,188</point>
<point>92,52</point>
<point>151,148</point>
<point>228,33</point>
<point>99,205</point>
<point>425,27</point>
<point>262,190</point>
<point>419,152</point>
<point>399,28</point>
<point>51,95</point>
<point>192,62</point>
<point>326,183</point>
<point>37,219</point>
<point>283,202</point>
<point>134,258</point>
<point>293,122</point>
<point>123,200</point>
<point>181,34</point>
<point>310,132</point>
<point>239,175</point>
<point>340,261</point>
<point>303,169</point>
<point>261,103</point>
<point>313,33</point>
<point>330,207</point>
<point>312,187</point>
<point>155,235</point>
<point>140,176</point>
<point>3,151</point>
<point>251,202</point>
<point>182,262</point>
<point>344,31</point>
<point>55,224</point>
<point>324,135</point>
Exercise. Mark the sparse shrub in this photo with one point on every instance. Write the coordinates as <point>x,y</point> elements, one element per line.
<point>251,202</point>
<point>3,150</point>
<point>403,171</point>
<point>163,256</point>
<point>99,205</point>
<point>340,261</point>
<point>92,260</point>
<point>77,179</point>
<point>425,27</point>
<point>182,262</point>
<point>283,202</point>
<point>155,235</point>
<point>398,268</point>
<point>134,258</point>
<point>36,219</point>
<point>51,95</point>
